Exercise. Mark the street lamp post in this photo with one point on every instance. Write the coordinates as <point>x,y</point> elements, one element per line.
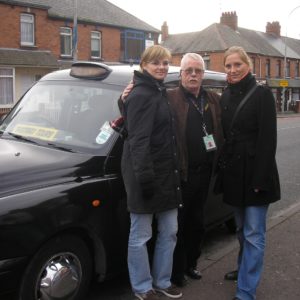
<point>285,53</point>
<point>75,32</point>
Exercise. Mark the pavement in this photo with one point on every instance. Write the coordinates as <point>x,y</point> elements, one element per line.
<point>280,279</point>
<point>287,114</point>
<point>281,275</point>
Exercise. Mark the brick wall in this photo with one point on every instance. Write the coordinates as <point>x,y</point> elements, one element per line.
<point>176,58</point>
<point>216,62</point>
<point>47,34</point>
<point>10,26</point>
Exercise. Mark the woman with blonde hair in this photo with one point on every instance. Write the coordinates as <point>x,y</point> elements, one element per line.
<point>151,178</point>
<point>247,166</point>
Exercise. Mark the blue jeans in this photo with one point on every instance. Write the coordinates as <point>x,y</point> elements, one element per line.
<point>251,224</point>
<point>141,277</point>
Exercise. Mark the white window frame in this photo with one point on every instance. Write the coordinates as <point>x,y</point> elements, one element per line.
<point>206,60</point>
<point>12,76</point>
<point>96,36</point>
<point>268,68</point>
<point>253,60</point>
<point>27,29</point>
<point>288,69</point>
<point>66,35</point>
<point>297,65</point>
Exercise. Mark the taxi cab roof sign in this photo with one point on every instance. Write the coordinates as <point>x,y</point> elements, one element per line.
<point>87,70</point>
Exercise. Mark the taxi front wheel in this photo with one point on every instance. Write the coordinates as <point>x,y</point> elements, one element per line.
<point>60,270</point>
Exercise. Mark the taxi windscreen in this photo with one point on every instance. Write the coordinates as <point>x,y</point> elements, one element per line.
<point>65,113</point>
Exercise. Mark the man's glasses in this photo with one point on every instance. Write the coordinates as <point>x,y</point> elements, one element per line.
<point>190,71</point>
<point>157,63</point>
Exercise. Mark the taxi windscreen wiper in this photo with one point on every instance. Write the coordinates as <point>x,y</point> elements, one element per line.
<point>21,137</point>
<point>60,147</point>
<point>26,139</point>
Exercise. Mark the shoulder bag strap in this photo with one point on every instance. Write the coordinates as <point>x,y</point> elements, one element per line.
<point>242,104</point>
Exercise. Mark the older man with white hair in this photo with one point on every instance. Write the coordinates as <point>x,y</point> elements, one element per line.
<point>199,135</point>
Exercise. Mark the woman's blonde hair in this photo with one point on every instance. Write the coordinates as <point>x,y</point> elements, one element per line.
<point>155,52</point>
<point>241,52</point>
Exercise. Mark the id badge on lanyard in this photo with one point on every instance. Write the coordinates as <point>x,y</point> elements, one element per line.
<point>208,139</point>
<point>209,143</point>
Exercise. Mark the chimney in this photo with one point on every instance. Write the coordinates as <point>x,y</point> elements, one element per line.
<point>230,19</point>
<point>164,31</point>
<point>273,28</point>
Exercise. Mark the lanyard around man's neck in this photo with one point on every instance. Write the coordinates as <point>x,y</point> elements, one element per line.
<point>200,110</point>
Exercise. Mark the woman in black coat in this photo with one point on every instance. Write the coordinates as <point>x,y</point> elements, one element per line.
<point>248,170</point>
<point>149,169</point>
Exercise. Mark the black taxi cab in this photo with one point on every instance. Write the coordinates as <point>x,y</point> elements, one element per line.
<point>63,217</point>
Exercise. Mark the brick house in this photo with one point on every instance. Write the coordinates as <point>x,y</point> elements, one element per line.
<point>37,37</point>
<point>267,50</point>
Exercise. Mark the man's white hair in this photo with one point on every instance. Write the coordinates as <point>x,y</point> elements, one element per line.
<point>194,56</point>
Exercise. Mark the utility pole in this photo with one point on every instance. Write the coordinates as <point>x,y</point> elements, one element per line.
<point>75,33</point>
<point>285,58</point>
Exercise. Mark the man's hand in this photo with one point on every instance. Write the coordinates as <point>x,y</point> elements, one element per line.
<point>127,91</point>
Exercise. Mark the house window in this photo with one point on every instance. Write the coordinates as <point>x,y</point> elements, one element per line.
<point>295,94</point>
<point>206,62</point>
<point>278,68</point>
<point>268,68</point>
<point>37,77</point>
<point>96,44</point>
<point>65,41</point>
<point>132,45</point>
<point>297,69</point>
<point>27,30</point>
<point>6,87</point>
<point>288,68</point>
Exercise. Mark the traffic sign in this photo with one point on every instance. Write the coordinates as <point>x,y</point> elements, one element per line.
<point>283,83</point>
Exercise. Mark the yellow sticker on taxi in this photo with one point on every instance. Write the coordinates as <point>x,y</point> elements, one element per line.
<point>42,133</point>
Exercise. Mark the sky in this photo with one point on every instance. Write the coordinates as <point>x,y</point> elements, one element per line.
<point>195,15</point>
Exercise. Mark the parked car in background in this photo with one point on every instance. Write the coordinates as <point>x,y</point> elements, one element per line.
<point>63,216</point>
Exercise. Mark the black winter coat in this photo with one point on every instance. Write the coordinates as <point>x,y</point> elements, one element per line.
<point>149,160</point>
<point>250,146</point>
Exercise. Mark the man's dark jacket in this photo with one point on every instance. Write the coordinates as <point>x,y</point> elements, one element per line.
<point>180,107</point>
